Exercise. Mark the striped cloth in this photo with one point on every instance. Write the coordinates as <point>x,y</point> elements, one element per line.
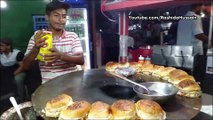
<point>68,43</point>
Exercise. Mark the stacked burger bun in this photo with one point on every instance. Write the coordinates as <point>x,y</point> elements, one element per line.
<point>164,73</point>
<point>123,68</point>
<point>156,71</point>
<point>99,110</point>
<point>189,88</point>
<point>111,66</point>
<point>54,106</point>
<point>177,76</point>
<point>172,75</point>
<point>78,110</point>
<point>149,110</point>
<point>119,110</point>
<point>123,110</point>
<point>135,65</point>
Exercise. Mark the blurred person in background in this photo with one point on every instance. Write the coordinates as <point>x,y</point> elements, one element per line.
<point>11,68</point>
<point>172,34</point>
<point>206,25</point>
<point>155,33</point>
<point>110,44</point>
<point>148,32</point>
<point>66,53</point>
<point>190,32</point>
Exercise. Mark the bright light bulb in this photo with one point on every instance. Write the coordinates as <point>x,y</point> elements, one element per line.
<point>3,4</point>
<point>67,23</point>
<point>46,1</point>
<point>202,14</point>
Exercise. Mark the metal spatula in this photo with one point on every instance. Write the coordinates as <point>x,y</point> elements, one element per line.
<point>128,80</point>
<point>15,105</point>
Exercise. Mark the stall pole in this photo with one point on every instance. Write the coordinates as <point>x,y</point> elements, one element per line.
<point>123,24</point>
<point>210,28</point>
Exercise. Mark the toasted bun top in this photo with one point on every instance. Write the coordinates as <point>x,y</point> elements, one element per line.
<point>123,65</point>
<point>167,70</point>
<point>188,85</point>
<point>76,110</point>
<point>157,69</point>
<point>185,77</point>
<point>109,63</point>
<point>58,101</point>
<point>176,73</point>
<point>135,65</point>
<point>123,108</point>
<point>177,79</point>
<point>149,107</point>
<point>146,62</point>
<point>111,66</point>
<point>99,110</point>
<point>147,67</point>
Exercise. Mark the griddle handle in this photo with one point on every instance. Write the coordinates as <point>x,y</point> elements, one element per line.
<point>164,57</point>
<point>183,60</point>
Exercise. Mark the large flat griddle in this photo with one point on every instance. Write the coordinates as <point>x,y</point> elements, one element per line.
<point>93,85</point>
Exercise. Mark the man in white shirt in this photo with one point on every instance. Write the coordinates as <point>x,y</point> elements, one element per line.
<point>190,32</point>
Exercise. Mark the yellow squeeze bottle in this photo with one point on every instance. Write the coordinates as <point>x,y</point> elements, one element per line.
<point>45,49</point>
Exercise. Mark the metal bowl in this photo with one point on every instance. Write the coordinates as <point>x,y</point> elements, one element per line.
<point>166,91</point>
<point>26,110</point>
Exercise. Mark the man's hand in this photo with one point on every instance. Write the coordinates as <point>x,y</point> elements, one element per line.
<point>39,39</point>
<point>53,56</point>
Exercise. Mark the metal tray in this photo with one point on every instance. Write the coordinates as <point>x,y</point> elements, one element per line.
<point>186,51</point>
<point>93,85</point>
<point>166,49</point>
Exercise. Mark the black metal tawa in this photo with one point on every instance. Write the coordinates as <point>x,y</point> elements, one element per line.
<point>95,84</point>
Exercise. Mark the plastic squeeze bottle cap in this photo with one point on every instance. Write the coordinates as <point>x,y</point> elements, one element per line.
<point>141,57</point>
<point>148,58</point>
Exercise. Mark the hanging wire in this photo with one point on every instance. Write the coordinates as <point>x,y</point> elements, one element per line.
<point>103,2</point>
